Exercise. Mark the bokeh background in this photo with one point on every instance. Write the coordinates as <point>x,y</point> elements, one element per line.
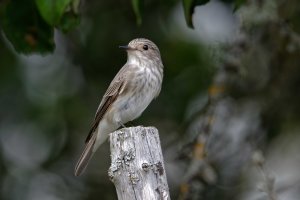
<point>228,113</point>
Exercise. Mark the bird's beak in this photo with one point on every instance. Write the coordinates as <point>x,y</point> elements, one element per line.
<point>126,47</point>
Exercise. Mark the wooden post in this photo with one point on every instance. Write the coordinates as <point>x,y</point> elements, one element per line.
<point>137,165</point>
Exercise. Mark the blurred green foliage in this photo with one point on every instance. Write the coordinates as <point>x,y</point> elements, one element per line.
<point>62,14</point>
<point>48,102</point>
<point>189,6</point>
<point>29,25</point>
<point>25,28</point>
<point>137,8</point>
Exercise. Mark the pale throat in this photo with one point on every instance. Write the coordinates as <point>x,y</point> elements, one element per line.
<point>138,60</point>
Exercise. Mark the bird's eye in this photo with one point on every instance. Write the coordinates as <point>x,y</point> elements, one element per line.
<point>145,47</point>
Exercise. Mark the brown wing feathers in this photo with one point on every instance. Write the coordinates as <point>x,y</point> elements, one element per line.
<point>104,107</point>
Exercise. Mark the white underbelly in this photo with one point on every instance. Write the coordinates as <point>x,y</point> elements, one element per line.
<point>126,109</point>
<point>132,107</point>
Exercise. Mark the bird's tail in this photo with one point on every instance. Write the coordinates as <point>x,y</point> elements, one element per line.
<point>85,156</point>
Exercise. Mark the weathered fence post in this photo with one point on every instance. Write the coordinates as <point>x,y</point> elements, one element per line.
<point>137,165</point>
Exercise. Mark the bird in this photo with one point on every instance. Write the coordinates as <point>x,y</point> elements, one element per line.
<point>133,88</point>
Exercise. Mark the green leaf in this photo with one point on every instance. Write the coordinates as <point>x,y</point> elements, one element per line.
<point>189,6</point>
<point>62,14</point>
<point>137,7</point>
<point>52,10</point>
<point>25,29</point>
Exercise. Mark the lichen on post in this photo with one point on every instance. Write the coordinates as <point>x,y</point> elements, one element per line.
<point>137,165</point>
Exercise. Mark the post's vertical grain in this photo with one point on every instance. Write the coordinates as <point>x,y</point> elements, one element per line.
<point>137,166</point>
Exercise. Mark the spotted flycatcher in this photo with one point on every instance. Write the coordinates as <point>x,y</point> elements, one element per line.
<point>136,84</point>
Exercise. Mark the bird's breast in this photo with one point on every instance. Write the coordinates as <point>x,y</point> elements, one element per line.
<point>142,89</point>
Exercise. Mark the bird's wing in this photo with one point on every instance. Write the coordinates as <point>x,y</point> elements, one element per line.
<point>115,88</point>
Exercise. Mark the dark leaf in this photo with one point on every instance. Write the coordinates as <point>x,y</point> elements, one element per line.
<point>25,29</point>
<point>52,10</point>
<point>62,14</point>
<point>137,6</point>
<point>189,6</point>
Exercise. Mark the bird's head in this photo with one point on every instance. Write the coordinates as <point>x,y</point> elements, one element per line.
<point>142,49</point>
